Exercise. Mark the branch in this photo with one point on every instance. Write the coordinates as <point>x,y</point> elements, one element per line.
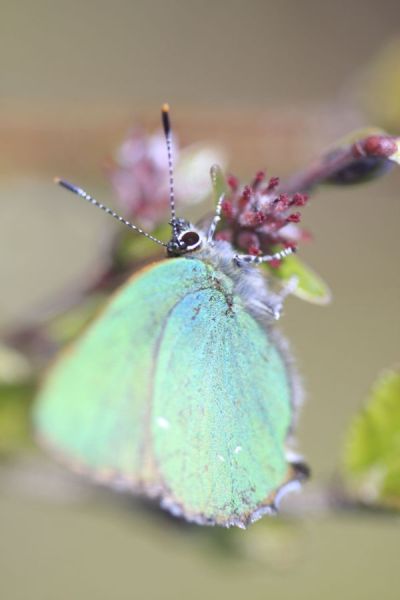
<point>365,159</point>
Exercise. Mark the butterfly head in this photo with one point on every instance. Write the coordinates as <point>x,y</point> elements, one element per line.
<point>185,238</point>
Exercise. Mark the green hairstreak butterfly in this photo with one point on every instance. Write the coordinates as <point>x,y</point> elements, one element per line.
<point>182,390</point>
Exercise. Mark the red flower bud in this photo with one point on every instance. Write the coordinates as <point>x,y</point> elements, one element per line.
<point>299,200</point>
<point>227,209</point>
<point>272,185</point>
<point>233,183</point>
<point>260,176</point>
<point>294,218</point>
<point>375,145</point>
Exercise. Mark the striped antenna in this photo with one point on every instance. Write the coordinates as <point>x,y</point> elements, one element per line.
<point>167,130</point>
<point>80,192</point>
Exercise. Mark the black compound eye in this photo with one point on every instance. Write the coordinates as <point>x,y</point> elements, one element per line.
<point>190,239</point>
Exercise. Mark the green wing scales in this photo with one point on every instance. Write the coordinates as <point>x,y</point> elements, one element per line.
<point>175,391</point>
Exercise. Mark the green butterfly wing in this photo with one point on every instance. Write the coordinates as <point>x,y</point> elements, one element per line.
<point>94,405</point>
<point>178,392</point>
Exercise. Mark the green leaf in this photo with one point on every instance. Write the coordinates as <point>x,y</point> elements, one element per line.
<point>310,286</point>
<point>15,402</point>
<point>17,389</point>
<point>372,450</point>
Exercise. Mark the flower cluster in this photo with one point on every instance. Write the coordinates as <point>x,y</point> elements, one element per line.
<point>139,175</point>
<point>258,217</point>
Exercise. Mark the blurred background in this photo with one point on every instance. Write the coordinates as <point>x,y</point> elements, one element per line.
<point>270,85</point>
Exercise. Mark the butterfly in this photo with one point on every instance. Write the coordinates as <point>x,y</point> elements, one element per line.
<point>182,390</point>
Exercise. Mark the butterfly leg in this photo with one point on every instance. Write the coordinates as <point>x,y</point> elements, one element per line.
<point>239,259</point>
<point>273,304</point>
<point>216,219</point>
<point>283,293</point>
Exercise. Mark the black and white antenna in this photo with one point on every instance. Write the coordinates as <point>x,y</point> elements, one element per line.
<point>167,130</point>
<point>80,192</point>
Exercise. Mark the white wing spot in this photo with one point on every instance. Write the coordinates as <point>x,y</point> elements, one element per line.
<point>163,423</point>
<point>238,449</point>
<point>221,458</point>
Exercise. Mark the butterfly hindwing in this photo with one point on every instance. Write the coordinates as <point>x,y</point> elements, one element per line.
<point>221,410</point>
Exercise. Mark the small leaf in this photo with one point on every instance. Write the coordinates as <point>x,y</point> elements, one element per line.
<point>15,403</point>
<point>372,450</point>
<point>16,392</point>
<point>310,286</point>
